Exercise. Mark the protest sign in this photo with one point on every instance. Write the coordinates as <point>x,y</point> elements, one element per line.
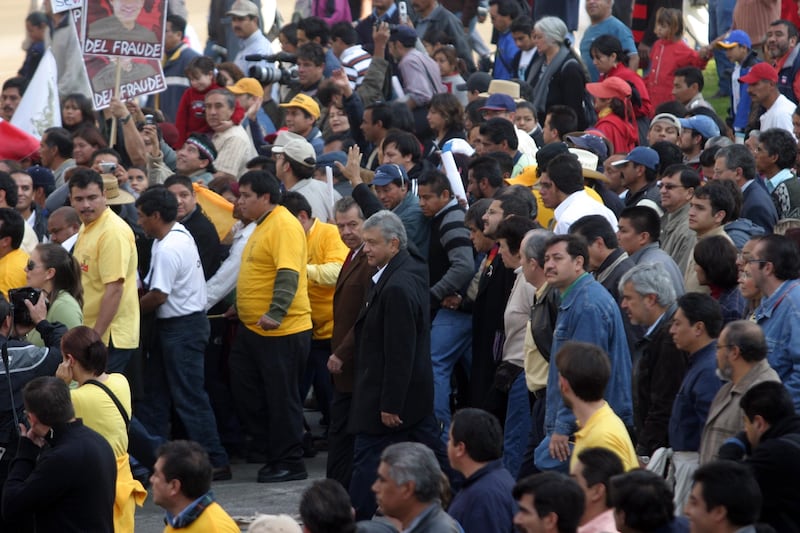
<point>132,28</point>
<point>137,77</point>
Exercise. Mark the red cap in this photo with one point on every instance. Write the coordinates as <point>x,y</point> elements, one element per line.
<point>611,87</point>
<point>758,72</point>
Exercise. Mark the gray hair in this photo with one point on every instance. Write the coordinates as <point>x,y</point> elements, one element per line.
<point>534,245</point>
<point>345,204</point>
<point>650,278</point>
<point>719,140</point>
<point>749,338</point>
<point>412,461</point>
<point>738,156</point>
<point>553,29</point>
<point>390,225</point>
<point>230,98</point>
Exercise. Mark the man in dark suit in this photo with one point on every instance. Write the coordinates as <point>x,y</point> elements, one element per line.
<point>737,164</point>
<point>348,298</point>
<point>393,389</point>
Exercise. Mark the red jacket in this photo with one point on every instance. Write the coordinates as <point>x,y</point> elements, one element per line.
<point>191,114</point>
<point>622,71</point>
<point>623,135</point>
<point>665,58</point>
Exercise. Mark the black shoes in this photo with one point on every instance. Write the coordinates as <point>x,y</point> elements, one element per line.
<point>279,473</point>
<point>222,473</point>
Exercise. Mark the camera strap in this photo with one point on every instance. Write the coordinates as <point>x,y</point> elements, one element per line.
<point>6,366</point>
<point>114,398</point>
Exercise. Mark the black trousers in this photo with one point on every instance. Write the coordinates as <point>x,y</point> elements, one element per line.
<point>265,372</point>
<point>340,442</point>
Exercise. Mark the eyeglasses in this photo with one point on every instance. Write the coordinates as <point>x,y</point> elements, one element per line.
<point>720,346</point>
<point>30,266</point>
<point>759,261</point>
<point>668,186</point>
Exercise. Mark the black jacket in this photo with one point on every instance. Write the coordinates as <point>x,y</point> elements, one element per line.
<point>393,371</point>
<point>657,376</point>
<point>206,238</point>
<point>776,465</point>
<point>52,483</point>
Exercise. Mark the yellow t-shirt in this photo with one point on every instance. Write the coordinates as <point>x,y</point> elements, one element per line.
<point>100,413</point>
<point>326,251</point>
<point>12,271</point>
<point>536,368</point>
<point>278,242</point>
<point>106,252</point>
<point>605,429</point>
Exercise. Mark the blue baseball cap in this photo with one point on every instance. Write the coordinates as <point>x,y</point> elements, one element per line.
<point>702,124</point>
<point>330,159</point>
<point>641,155</point>
<point>386,174</point>
<point>736,38</point>
<point>406,35</point>
<point>499,102</point>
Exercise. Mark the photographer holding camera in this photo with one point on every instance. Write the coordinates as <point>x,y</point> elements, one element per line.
<point>22,362</point>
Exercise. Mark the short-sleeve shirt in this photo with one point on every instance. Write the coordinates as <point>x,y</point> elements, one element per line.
<point>106,252</point>
<point>277,243</point>
<point>100,413</point>
<point>610,26</point>
<point>176,270</point>
<point>12,270</point>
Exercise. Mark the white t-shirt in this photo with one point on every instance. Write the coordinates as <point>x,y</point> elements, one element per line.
<point>577,205</point>
<point>176,270</point>
<point>779,115</point>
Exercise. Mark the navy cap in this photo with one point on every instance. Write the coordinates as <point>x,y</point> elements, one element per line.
<point>477,81</point>
<point>329,159</point>
<point>592,142</point>
<point>405,35</point>
<point>41,176</point>
<point>386,174</point>
<point>548,152</point>
<point>499,102</point>
<point>641,155</point>
<point>702,124</point>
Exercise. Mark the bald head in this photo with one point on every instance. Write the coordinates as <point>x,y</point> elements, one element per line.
<point>63,224</point>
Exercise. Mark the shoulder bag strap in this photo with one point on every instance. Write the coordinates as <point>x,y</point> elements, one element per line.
<point>114,398</point>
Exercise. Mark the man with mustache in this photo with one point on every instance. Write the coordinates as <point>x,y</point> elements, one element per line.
<point>106,253</point>
<point>10,97</point>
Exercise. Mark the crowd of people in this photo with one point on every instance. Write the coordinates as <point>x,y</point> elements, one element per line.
<point>551,291</point>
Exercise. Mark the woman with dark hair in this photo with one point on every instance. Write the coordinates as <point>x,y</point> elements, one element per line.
<point>103,402</point>
<point>86,140</point>
<point>57,273</point>
<point>557,74</point>
<point>76,110</point>
<point>715,264</point>
<point>612,101</point>
<point>446,119</point>
<point>610,59</point>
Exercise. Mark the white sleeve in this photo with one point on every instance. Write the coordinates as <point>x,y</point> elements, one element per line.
<point>224,280</point>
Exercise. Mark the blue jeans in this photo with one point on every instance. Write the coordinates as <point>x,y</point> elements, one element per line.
<point>720,18</point>
<point>517,426</point>
<point>174,375</point>
<point>451,342</point>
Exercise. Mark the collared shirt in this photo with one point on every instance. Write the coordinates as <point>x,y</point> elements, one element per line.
<point>602,523</point>
<point>421,77</point>
<point>773,182</point>
<point>377,276</point>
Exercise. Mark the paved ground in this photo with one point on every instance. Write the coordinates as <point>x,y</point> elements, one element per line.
<point>242,497</point>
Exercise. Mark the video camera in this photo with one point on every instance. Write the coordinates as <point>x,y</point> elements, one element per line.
<point>272,74</point>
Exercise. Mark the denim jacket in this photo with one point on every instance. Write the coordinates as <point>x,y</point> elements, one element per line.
<point>588,313</point>
<point>779,316</point>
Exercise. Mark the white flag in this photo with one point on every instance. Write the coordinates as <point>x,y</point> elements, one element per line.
<point>40,108</point>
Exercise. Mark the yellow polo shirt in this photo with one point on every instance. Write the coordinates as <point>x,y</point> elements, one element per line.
<point>278,242</point>
<point>605,429</point>
<point>106,252</point>
<point>326,254</point>
<point>12,271</point>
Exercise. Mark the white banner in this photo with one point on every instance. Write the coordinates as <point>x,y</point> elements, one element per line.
<point>40,108</point>
<point>65,5</point>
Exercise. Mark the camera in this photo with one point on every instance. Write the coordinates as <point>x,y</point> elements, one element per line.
<point>392,27</point>
<point>108,168</point>
<point>17,299</point>
<point>270,74</point>
<point>149,119</point>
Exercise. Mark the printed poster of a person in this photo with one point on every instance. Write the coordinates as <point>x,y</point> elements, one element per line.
<point>124,27</point>
<point>137,77</point>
